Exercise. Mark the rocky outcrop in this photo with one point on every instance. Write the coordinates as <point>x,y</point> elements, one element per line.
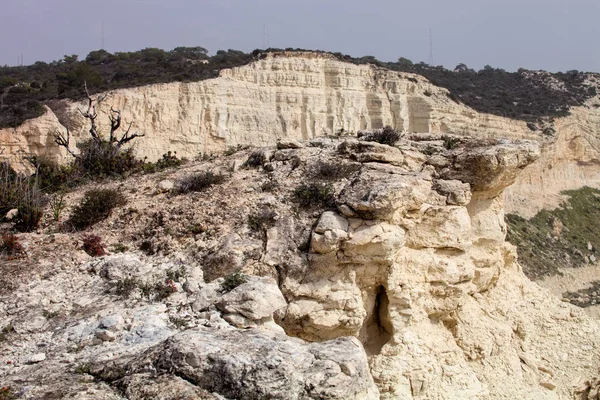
<point>403,287</point>
<point>251,365</point>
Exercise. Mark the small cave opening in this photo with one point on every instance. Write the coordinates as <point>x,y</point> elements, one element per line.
<point>377,329</point>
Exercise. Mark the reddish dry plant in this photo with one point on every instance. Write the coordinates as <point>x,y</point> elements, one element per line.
<point>92,244</point>
<point>10,245</point>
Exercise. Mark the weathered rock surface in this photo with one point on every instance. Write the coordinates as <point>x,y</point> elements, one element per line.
<point>250,365</point>
<point>406,287</point>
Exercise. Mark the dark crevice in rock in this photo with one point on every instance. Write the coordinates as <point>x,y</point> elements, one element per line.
<point>378,327</point>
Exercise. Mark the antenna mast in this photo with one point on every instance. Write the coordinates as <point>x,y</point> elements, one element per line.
<point>102,34</point>
<point>266,44</point>
<point>430,62</point>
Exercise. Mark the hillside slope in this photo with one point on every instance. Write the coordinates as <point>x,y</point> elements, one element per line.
<point>402,249</point>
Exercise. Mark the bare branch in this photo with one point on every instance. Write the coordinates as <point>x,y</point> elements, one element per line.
<point>91,113</point>
<point>126,137</point>
<point>62,140</point>
<point>115,123</point>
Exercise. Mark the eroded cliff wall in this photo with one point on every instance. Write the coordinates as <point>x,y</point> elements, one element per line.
<point>304,95</point>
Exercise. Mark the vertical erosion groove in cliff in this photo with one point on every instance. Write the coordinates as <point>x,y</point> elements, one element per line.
<point>378,326</point>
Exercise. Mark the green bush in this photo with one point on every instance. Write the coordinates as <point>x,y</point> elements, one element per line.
<point>315,195</point>
<point>168,160</point>
<point>199,181</point>
<point>95,206</point>
<point>102,158</point>
<point>126,286</point>
<point>21,192</point>
<point>53,177</point>
<point>232,281</point>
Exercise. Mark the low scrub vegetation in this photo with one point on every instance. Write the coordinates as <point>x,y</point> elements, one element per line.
<point>256,159</point>
<point>387,135</point>
<point>168,160</point>
<point>96,205</point>
<point>199,182</point>
<point>317,195</point>
<point>564,237</point>
<point>153,291</point>
<point>334,170</point>
<point>10,245</point>
<point>232,281</point>
<point>92,244</point>
<point>262,220</point>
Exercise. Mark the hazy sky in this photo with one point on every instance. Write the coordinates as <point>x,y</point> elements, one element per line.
<point>555,35</point>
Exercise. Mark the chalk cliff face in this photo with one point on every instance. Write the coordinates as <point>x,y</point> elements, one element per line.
<point>301,96</point>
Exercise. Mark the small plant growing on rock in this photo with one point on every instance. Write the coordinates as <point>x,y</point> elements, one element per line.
<point>196,228</point>
<point>92,244</point>
<point>450,143</point>
<point>7,393</point>
<point>334,170</point>
<point>95,206</point>
<point>57,205</point>
<point>164,289</point>
<point>269,186</point>
<point>10,245</point>
<point>5,332</point>
<point>234,149</point>
<point>176,274</point>
<point>126,286</point>
<point>256,159</point>
<point>232,281</point>
<point>315,195</point>
<point>120,248</point>
<point>262,220</point>
<point>158,290</point>
<point>387,135</point>
<point>199,182</point>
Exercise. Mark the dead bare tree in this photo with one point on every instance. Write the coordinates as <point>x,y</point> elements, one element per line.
<point>100,147</point>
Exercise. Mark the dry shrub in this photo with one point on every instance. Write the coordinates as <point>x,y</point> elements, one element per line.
<point>10,245</point>
<point>387,135</point>
<point>315,195</point>
<point>95,206</point>
<point>199,181</point>
<point>256,159</point>
<point>23,193</point>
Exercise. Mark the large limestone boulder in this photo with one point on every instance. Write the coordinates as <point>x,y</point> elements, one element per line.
<point>248,364</point>
<point>252,304</point>
<point>381,194</point>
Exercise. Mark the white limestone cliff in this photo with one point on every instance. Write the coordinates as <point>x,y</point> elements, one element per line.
<point>303,95</point>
